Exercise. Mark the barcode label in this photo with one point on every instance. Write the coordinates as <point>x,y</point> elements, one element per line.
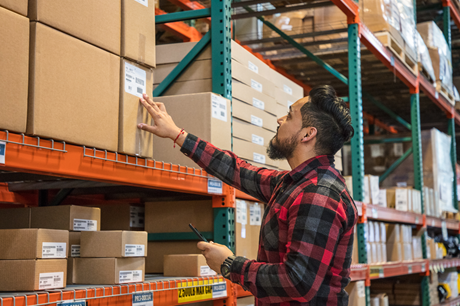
<point>219,107</point>
<point>75,250</point>
<point>54,250</point>
<point>132,250</point>
<point>287,89</point>
<point>135,80</point>
<point>255,214</point>
<point>253,67</point>
<point>137,214</point>
<point>257,103</point>
<point>50,280</point>
<point>257,121</point>
<point>206,271</point>
<point>143,2</point>
<point>241,212</point>
<point>259,158</point>
<point>83,225</point>
<point>257,140</point>
<point>256,85</point>
<point>130,276</point>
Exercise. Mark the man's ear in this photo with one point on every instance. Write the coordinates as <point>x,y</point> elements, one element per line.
<point>308,134</point>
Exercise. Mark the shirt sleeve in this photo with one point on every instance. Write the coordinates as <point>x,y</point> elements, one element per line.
<point>316,221</point>
<point>225,165</point>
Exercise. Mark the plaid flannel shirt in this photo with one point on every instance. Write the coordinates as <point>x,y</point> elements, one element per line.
<point>306,237</point>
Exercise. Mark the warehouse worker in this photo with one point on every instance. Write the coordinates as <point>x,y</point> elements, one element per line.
<point>306,237</point>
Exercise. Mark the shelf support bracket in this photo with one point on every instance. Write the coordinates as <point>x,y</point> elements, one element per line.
<point>60,196</point>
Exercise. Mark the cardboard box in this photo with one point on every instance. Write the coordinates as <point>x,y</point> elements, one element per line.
<point>187,265</point>
<point>245,301</point>
<point>397,198</point>
<point>174,53</point>
<point>113,244</point>
<point>14,218</point>
<point>134,81</point>
<point>70,270</point>
<point>377,235</point>
<point>288,86</point>
<point>355,253</point>
<point>160,220</point>
<point>30,275</point>
<point>155,258</point>
<point>373,188</point>
<point>127,217</point>
<point>197,70</point>
<point>383,198</point>
<point>74,244</point>
<point>138,31</point>
<point>249,60</point>
<point>252,79</point>
<point>249,95</point>
<point>18,6</point>
<point>252,133</point>
<point>394,251</point>
<point>393,233</point>
<point>357,293</point>
<point>206,115</point>
<point>417,248</point>
<point>33,243</point>
<point>374,253</point>
<point>66,217</point>
<point>367,190</point>
<point>407,251</point>
<point>98,23</point>
<point>248,217</point>
<point>253,152</point>
<point>14,60</point>
<point>383,232</point>
<point>109,271</point>
<point>187,88</point>
<point>370,231</point>
<point>380,299</point>
<point>254,115</point>
<point>62,66</point>
<point>383,247</point>
<point>284,98</point>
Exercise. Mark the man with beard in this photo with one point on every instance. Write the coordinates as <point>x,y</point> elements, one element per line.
<point>306,237</point>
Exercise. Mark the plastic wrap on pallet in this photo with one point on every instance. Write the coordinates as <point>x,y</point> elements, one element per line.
<point>408,28</point>
<point>381,15</point>
<point>439,52</point>
<point>424,58</point>
<point>456,95</point>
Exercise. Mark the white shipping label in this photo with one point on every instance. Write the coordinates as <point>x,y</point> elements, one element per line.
<point>83,225</point>
<point>143,2</point>
<point>143,299</point>
<point>257,140</point>
<point>241,212</point>
<point>54,250</point>
<point>207,271</point>
<point>256,85</point>
<point>219,290</point>
<point>383,197</point>
<point>377,150</point>
<point>2,152</point>
<point>136,216</point>
<point>50,280</point>
<point>398,149</point>
<point>243,231</point>
<point>219,108</point>
<point>133,276</point>
<point>401,199</point>
<point>258,158</point>
<point>132,250</point>
<point>253,67</point>
<point>257,103</point>
<point>374,188</point>
<point>257,121</point>
<point>361,289</point>
<point>75,250</point>
<point>135,80</point>
<point>255,214</point>
<point>287,89</point>
<point>286,27</point>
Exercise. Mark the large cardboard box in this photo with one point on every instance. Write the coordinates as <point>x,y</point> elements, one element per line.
<point>18,6</point>
<point>97,22</point>
<point>394,251</point>
<point>253,152</point>
<point>14,218</point>
<point>74,244</point>
<point>252,133</point>
<point>206,115</point>
<point>126,217</point>
<point>68,77</point>
<point>33,243</point>
<point>30,275</point>
<point>249,60</point>
<point>70,270</point>
<point>252,79</point>
<point>254,115</point>
<point>249,95</point>
<point>113,244</point>
<point>155,258</point>
<point>138,31</point>
<point>135,80</point>
<point>66,217</point>
<point>245,301</point>
<point>248,217</point>
<point>161,220</point>
<point>357,293</point>
<point>289,87</point>
<point>397,198</point>
<point>14,60</point>
<point>187,265</point>
<point>108,271</point>
<point>187,87</point>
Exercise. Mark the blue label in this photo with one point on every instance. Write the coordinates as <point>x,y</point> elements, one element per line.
<point>2,148</point>
<point>217,288</point>
<point>216,184</point>
<point>142,298</point>
<point>81,303</point>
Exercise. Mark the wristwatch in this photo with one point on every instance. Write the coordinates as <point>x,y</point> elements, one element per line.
<point>226,266</point>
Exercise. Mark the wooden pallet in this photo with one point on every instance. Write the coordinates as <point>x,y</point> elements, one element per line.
<point>446,93</point>
<point>451,215</point>
<point>388,41</point>
<point>423,72</point>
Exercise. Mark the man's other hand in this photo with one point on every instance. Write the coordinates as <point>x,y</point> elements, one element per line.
<point>215,254</point>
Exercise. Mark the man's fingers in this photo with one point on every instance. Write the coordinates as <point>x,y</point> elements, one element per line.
<point>149,107</point>
<point>203,245</point>
<point>146,127</point>
<point>161,106</point>
<point>151,102</point>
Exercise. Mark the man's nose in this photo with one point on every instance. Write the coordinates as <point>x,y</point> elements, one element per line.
<point>281,120</point>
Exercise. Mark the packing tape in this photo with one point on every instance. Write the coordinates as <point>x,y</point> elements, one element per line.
<point>141,51</point>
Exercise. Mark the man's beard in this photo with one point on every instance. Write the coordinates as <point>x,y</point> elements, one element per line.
<point>283,150</point>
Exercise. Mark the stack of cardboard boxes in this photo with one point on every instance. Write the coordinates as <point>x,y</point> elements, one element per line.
<point>356,293</point>
<point>376,247</point>
<point>401,245</point>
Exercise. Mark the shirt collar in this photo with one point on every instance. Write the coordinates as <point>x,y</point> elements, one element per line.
<point>311,164</point>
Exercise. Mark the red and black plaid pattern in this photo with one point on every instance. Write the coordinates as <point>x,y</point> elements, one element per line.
<point>306,238</point>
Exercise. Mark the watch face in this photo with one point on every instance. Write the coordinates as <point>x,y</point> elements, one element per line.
<point>225,271</point>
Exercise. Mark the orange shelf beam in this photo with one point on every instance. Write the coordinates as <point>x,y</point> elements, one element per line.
<point>244,196</point>
<point>391,269</point>
<point>180,29</point>
<point>359,272</point>
<point>349,8</point>
<point>437,222</point>
<point>380,213</point>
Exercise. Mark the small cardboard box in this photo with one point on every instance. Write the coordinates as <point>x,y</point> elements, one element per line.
<point>253,152</point>
<point>370,231</point>
<point>357,293</point>
<point>206,115</point>
<point>373,189</point>
<point>70,270</point>
<point>11,218</point>
<point>138,31</point>
<point>113,244</point>
<point>286,85</point>
<point>66,217</point>
<point>30,275</point>
<point>127,217</point>
<point>108,271</point>
<point>249,60</point>
<point>393,233</point>
<point>377,235</point>
<point>254,115</point>
<point>252,79</point>
<point>397,198</point>
<point>245,301</point>
<point>248,217</point>
<point>283,98</point>
<point>187,265</point>
<point>155,258</point>
<point>14,60</point>
<point>407,253</point>
<point>394,251</point>
<point>62,66</point>
<point>383,247</point>
<point>252,133</point>
<point>33,243</point>
<point>18,6</point>
<point>383,198</point>
<point>135,80</point>
<point>74,244</point>
<point>249,95</point>
<point>98,23</point>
